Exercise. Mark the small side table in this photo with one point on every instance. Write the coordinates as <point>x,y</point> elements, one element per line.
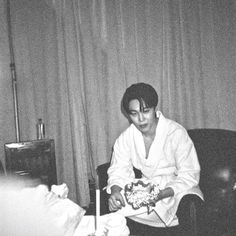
<point>34,159</point>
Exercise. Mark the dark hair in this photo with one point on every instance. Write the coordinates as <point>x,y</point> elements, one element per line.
<point>144,93</point>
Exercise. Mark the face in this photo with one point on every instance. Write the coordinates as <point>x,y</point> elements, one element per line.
<point>144,120</point>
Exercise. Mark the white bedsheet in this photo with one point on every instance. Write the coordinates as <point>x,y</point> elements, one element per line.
<point>112,224</point>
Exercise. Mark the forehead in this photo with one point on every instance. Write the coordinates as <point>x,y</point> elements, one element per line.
<point>134,105</point>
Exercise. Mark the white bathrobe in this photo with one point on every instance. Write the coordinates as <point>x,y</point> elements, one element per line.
<point>172,162</point>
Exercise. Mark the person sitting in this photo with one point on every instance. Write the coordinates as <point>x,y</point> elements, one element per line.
<point>164,153</point>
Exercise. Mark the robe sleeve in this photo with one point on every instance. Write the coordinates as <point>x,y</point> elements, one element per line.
<point>187,164</point>
<point>121,170</point>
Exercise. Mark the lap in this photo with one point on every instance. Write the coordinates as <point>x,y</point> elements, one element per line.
<point>138,229</point>
<point>183,214</point>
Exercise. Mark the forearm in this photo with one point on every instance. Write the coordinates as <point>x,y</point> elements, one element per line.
<point>119,175</point>
<point>165,193</point>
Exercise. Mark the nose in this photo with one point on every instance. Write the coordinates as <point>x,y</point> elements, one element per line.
<point>140,117</point>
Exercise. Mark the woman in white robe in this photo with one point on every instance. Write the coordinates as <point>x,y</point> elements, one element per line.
<point>162,150</point>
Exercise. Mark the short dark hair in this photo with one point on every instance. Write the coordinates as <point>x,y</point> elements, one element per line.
<point>144,93</point>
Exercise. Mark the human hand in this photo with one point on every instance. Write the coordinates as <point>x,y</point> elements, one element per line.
<point>116,200</point>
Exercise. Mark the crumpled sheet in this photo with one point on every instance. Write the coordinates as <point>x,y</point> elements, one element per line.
<point>28,210</point>
<point>66,214</point>
<point>113,224</point>
<point>71,217</point>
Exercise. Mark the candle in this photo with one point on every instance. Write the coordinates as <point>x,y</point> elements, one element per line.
<point>97,224</point>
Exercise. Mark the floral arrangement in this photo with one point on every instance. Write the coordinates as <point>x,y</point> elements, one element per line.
<point>140,194</point>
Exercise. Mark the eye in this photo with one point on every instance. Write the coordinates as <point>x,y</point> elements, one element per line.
<point>132,113</point>
<point>146,110</point>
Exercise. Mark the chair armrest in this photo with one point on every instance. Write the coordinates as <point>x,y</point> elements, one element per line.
<point>103,177</point>
<point>102,174</point>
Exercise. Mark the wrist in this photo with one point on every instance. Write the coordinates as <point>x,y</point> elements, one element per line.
<point>164,193</point>
<point>115,188</point>
<point>160,195</point>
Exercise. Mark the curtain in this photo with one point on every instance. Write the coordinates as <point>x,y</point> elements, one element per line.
<point>75,59</point>
<point>6,96</point>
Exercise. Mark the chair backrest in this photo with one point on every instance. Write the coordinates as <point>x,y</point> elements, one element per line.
<point>216,149</point>
<point>34,159</point>
<point>1,168</point>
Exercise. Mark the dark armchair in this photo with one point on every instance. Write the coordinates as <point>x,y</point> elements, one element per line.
<point>216,216</point>
<point>216,149</point>
<point>1,168</point>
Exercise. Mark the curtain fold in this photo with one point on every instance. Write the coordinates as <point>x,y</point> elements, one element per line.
<point>75,59</point>
<point>6,95</point>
